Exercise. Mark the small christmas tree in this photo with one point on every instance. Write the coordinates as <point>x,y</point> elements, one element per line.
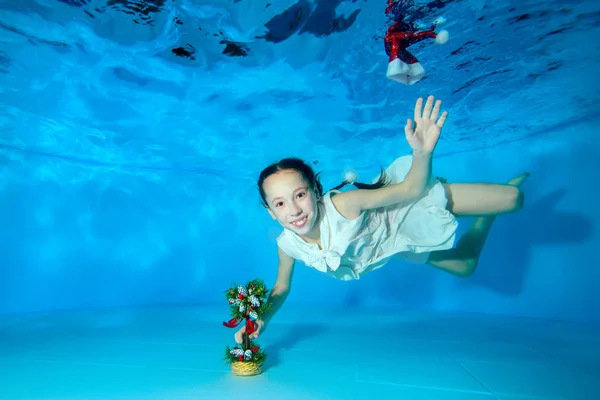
<point>246,303</point>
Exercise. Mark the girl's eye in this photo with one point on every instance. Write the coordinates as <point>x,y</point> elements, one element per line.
<point>301,194</point>
<point>278,204</point>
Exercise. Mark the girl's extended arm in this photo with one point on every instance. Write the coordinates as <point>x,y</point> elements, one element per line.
<point>422,139</point>
<point>352,203</point>
<point>283,285</point>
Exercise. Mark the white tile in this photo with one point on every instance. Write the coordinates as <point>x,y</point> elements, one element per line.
<point>584,356</point>
<point>33,380</point>
<point>36,380</point>
<point>376,391</point>
<point>489,351</point>
<point>545,379</point>
<point>440,373</point>
<point>312,364</point>
<point>131,353</point>
<point>172,353</point>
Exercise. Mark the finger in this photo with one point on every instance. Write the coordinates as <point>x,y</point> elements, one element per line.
<point>428,106</point>
<point>442,119</point>
<point>239,335</point>
<point>418,106</point>
<point>408,128</point>
<point>436,110</point>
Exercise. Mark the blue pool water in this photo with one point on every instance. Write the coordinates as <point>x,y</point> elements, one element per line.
<point>132,134</point>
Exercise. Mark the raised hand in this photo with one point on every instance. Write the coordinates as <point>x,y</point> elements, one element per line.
<point>426,132</point>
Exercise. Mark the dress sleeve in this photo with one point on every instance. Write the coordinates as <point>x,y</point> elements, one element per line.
<point>338,225</point>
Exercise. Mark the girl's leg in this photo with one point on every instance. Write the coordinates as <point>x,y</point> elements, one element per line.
<point>485,201</point>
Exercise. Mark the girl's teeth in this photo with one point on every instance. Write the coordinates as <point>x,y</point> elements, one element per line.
<point>298,223</point>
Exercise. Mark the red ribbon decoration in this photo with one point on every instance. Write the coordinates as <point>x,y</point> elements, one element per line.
<point>234,322</point>
<point>249,326</point>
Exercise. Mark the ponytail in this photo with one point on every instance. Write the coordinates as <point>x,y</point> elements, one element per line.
<point>350,177</point>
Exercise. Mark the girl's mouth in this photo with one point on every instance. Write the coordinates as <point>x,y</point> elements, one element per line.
<point>300,222</point>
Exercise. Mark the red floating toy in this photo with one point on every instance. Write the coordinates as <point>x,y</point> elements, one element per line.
<point>403,67</point>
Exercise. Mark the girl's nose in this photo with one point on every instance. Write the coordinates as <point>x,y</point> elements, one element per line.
<point>296,210</point>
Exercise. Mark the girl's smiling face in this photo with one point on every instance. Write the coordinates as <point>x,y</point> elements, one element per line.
<point>292,201</point>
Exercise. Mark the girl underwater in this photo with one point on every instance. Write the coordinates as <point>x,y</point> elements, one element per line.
<point>405,213</point>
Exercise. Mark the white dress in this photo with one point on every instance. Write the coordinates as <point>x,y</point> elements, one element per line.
<point>352,248</point>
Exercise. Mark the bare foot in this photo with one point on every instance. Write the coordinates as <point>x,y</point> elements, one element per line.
<point>518,180</point>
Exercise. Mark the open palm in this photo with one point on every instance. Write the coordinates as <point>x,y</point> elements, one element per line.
<point>426,132</point>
